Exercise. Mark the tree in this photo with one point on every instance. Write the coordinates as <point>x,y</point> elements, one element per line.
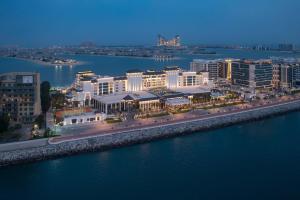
<point>58,100</point>
<point>4,122</point>
<point>45,96</point>
<point>40,121</point>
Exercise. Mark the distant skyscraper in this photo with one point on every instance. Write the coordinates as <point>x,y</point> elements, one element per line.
<point>174,42</point>
<point>286,47</point>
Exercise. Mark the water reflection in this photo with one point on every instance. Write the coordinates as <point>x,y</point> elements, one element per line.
<point>63,76</point>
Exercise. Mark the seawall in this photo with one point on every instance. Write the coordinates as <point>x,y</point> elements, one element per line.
<point>48,150</point>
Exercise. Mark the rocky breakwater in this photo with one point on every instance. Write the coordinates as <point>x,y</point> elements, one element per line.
<point>106,141</point>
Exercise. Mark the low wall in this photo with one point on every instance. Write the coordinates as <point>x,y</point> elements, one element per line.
<point>22,145</point>
<point>103,142</point>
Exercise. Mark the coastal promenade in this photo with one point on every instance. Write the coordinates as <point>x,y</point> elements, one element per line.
<point>12,146</point>
<point>155,123</point>
<point>95,140</point>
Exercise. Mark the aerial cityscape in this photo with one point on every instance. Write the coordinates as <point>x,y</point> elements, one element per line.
<point>161,108</point>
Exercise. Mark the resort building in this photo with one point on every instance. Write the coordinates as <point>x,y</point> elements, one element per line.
<point>83,118</point>
<point>172,77</point>
<point>138,90</point>
<point>187,79</point>
<point>142,101</point>
<point>87,84</point>
<point>134,80</point>
<point>174,42</point>
<point>80,76</point>
<point>78,116</point>
<point>20,96</point>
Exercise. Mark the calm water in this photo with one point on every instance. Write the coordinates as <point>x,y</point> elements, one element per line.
<point>105,65</point>
<point>259,160</point>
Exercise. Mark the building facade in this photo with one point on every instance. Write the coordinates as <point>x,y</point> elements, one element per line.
<point>252,74</point>
<point>174,42</point>
<point>276,76</point>
<point>20,96</point>
<point>210,66</point>
<point>135,90</point>
<point>87,84</point>
<point>290,75</point>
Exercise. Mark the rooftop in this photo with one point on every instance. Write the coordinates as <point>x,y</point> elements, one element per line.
<point>85,72</point>
<point>12,76</point>
<point>153,73</point>
<point>134,71</point>
<point>206,61</point>
<point>260,61</point>
<point>193,90</point>
<point>179,101</point>
<point>171,68</point>
<point>117,98</point>
<point>119,78</point>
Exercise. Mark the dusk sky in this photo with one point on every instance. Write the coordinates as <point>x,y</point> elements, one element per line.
<point>105,22</point>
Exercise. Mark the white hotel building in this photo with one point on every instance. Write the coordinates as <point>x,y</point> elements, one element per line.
<point>116,94</point>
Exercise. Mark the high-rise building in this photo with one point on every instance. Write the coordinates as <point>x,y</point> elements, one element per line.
<point>210,66</point>
<point>20,96</point>
<point>223,70</point>
<point>252,74</point>
<point>286,76</point>
<point>296,75</point>
<point>240,74</point>
<point>224,67</point>
<point>276,75</point>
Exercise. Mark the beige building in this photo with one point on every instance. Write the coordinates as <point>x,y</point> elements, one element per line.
<point>91,86</point>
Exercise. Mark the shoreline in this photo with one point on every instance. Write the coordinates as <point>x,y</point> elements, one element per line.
<point>51,149</point>
<point>130,57</point>
<point>66,138</point>
<point>46,64</point>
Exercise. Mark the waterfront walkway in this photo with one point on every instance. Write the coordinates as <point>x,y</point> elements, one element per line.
<point>105,129</point>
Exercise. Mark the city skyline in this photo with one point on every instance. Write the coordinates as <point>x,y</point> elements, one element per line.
<point>121,22</point>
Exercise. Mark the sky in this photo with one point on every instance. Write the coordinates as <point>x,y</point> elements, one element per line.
<point>39,23</point>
